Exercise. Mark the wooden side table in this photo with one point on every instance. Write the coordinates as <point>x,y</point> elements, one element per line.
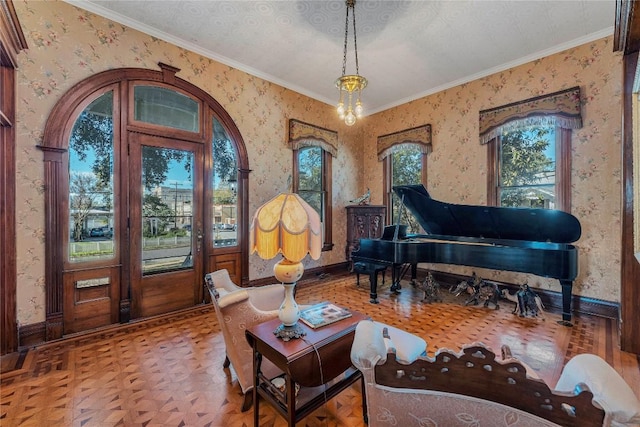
<point>320,363</point>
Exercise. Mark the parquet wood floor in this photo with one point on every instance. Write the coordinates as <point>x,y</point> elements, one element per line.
<point>168,371</point>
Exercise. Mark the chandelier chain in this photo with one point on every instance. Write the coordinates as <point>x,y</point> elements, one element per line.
<point>355,36</point>
<point>348,84</point>
<point>346,36</point>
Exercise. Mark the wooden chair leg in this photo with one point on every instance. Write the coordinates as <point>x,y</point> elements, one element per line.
<point>365,416</point>
<point>226,362</point>
<point>248,401</point>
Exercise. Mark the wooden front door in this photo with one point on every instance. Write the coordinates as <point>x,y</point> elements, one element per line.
<point>166,224</point>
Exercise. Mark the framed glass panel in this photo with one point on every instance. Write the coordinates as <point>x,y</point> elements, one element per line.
<point>166,209</point>
<point>166,107</point>
<point>406,169</point>
<point>527,165</point>
<point>310,178</point>
<point>225,188</point>
<point>91,197</point>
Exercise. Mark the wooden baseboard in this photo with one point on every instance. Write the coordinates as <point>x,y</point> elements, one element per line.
<point>311,275</point>
<point>30,335</point>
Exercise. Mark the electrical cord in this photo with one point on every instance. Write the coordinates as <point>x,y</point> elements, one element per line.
<point>324,387</point>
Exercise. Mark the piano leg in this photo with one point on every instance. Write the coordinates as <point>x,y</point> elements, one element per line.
<point>397,273</point>
<point>373,290</point>
<point>414,274</point>
<point>567,286</point>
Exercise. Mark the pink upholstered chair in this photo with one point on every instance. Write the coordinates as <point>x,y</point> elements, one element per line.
<point>237,309</point>
<point>473,388</point>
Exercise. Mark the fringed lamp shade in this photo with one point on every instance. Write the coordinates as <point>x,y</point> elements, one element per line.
<point>288,225</point>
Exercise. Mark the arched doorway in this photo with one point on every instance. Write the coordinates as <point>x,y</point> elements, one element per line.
<point>145,178</point>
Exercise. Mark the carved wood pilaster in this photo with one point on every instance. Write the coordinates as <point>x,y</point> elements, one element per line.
<point>53,158</point>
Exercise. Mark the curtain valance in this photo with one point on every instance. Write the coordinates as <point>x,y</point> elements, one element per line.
<point>305,135</point>
<point>417,137</point>
<point>560,109</point>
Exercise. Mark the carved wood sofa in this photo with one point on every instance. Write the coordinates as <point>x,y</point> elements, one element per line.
<point>473,388</point>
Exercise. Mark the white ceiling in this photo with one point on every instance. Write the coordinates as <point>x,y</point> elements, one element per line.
<point>406,49</point>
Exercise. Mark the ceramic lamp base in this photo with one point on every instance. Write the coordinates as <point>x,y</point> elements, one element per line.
<point>289,273</point>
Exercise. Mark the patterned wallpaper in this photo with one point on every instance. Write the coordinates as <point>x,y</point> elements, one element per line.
<point>67,45</point>
<point>457,166</point>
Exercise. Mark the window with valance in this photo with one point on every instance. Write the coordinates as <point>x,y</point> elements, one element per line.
<point>516,131</point>
<point>404,155</point>
<point>417,137</point>
<point>313,148</point>
<point>560,109</point>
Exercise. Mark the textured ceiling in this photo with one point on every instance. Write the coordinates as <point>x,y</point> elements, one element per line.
<point>406,49</point>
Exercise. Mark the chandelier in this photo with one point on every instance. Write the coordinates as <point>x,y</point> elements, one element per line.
<point>347,84</point>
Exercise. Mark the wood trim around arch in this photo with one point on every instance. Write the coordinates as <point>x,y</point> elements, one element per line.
<point>54,146</point>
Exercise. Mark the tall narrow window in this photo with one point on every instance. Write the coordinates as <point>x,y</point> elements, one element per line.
<point>313,148</point>
<point>405,166</point>
<point>312,166</point>
<point>404,154</point>
<point>91,210</point>
<point>310,177</point>
<point>527,168</point>
<point>225,190</point>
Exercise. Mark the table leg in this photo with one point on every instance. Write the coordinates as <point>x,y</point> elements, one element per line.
<point>291,401</point>
<point>257,359</point>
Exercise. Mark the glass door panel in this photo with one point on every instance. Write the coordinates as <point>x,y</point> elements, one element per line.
<point>166,231</point>
<point>167,216</point>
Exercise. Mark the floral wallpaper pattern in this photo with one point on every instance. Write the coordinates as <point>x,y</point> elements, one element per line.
<point>67,45</point>
<point>457,167</point>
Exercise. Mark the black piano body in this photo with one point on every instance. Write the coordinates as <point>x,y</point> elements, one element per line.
<point>534,241</point>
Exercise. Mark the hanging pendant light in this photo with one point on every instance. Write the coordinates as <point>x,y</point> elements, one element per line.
<point>347,84</point>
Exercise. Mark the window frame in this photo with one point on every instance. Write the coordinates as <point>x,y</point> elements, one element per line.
<point>563,170</point>
<point>326,188</point>
<point>387,170</point>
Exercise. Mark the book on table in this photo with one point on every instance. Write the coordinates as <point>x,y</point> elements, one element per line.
<point>323,314</point>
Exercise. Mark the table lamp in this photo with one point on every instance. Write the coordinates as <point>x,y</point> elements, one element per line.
<point>287,225</point>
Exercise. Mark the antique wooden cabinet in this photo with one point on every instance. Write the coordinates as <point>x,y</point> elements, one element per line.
<point>363,222</point>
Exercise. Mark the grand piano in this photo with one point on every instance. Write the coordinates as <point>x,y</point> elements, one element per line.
<point>535,241</point>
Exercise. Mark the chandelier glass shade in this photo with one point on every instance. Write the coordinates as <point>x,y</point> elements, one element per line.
<point>348,84</point>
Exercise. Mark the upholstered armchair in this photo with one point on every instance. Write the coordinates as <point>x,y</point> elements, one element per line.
<point>237,309</point>
<point>474,388</point>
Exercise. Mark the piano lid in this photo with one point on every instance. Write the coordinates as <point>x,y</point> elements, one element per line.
<point>489,222</point>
